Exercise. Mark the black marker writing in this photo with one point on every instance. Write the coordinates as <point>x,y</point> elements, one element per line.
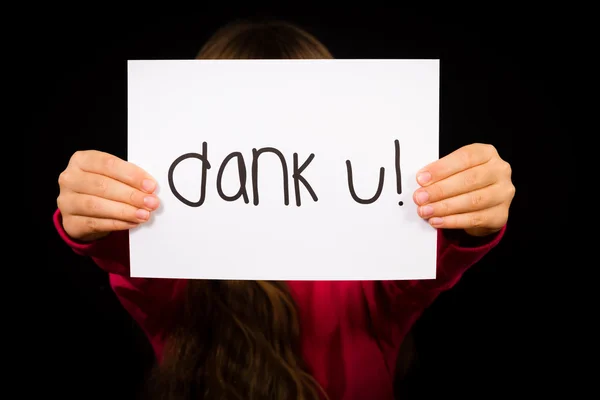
<point>351,185</point>
<point>296,175</point>
<point>255,155</point>
<point>242,175</point>
<point>398,172</point>
<point>205,166</point>
<point>298,178</point>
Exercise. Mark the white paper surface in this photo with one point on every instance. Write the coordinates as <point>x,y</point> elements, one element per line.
<point>338,110</point>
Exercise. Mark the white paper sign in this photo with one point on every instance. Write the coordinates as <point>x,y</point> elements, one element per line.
<point>319,155</point>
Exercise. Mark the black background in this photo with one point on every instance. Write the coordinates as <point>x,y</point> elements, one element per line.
<point>503,75</point>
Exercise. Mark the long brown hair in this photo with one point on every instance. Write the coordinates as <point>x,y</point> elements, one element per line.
<point>240,339</point>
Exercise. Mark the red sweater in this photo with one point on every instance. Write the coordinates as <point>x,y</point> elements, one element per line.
<point>352,330</point>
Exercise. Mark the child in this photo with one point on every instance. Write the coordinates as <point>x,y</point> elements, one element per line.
<point>278,340</point>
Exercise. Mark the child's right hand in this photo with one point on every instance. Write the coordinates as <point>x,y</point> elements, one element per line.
<point>101,193</point>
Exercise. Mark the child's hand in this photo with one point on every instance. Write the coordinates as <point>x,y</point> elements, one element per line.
<point>470,189</point>
<point>100,193</point>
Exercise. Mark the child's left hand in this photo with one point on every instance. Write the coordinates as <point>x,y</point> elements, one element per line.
<point>469,189</point>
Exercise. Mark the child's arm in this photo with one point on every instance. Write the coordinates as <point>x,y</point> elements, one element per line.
<point>148,301</point>
<point>394,306</point>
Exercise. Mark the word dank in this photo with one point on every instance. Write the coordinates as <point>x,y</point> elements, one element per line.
<point>297,177</point>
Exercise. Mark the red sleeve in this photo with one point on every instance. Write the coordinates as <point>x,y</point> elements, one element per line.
<point>111,253</point>
<point>394,306</point>
<point>456,253</point>
<point>148,301</point>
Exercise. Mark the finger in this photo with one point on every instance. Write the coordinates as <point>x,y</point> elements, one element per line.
<point>491,218</point>
<point>464,158</point>
<point>463,182</point>
<point>106,164</point>
<point>477,200</point>
<point>96,207</point>
<point>91,225</point>
<point>108,188</point>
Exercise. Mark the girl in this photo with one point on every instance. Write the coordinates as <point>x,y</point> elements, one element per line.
<point>278,340</point>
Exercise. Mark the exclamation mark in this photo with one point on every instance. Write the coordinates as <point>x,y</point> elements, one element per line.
<point>398,173</point>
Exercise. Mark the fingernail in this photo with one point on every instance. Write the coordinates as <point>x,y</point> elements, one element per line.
<point>426,211</point>
<point>423,177</point>
<point>422,197</point>
<point>151,202</point>
<point>148,185</point>
<point>436,221</point>
<point>142,214</point>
